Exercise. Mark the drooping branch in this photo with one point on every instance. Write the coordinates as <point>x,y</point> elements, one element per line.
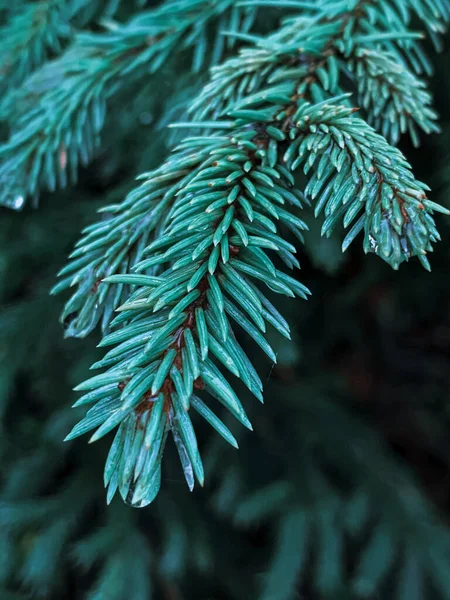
<point>212,256</point>
<point>306,59</point>
<point>234,203</point>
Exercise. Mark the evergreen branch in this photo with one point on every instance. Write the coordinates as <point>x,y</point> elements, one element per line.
<point>115,244</point>
<point>215,239</point>
<point>31,36</point>
<point>397,223</point>
<point>183,317</point>
<point>395,100</point>
<point>221,222</point>
<point>92,301</point>
<point>49,141</point>
<point>275,57</point>
<point>241,82</point>
<point>392,14</point>
<point>38,32</point>
<point>356,170</point>
<point>311,48</point>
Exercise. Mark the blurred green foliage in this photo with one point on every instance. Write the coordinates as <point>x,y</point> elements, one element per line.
<point>341,491</point>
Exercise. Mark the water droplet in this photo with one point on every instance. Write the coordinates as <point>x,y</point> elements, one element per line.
<point>12,194</point>
<point>18,202</point>
<point>15,201</point>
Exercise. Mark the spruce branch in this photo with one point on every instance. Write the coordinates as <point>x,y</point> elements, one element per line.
<point>211,252</point>
<point>31,37</point>
<point>59,119</point>
<point>393,17</point>
<point>274,70</point>
<point>395,100</point>
<point>188,312</point>
<point>116,243</point>
<point>39,31</point>
<point>312,48</point>
<point>356,170</point>
<point>235,202</point>
<point>390,14</point>
<point>48,143</point>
